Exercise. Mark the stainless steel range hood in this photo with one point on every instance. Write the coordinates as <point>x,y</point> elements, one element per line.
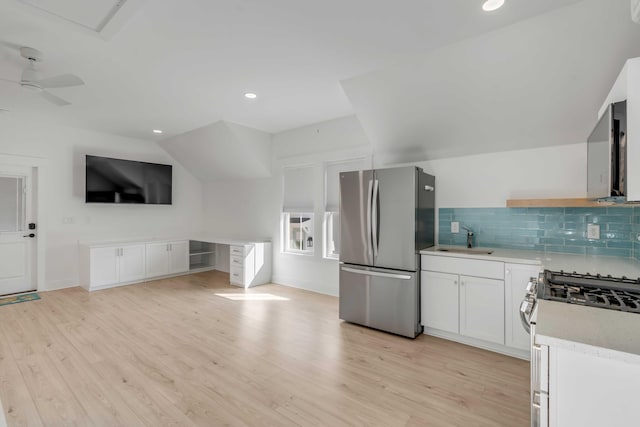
<point>607,154</point>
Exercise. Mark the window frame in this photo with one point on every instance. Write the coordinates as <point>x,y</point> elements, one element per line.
<point>285,226</point>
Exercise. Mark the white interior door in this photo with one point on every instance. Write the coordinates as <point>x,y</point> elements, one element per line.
<point>17,242</point>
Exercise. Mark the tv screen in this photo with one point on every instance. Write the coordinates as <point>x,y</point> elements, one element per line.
<point>125,181</point>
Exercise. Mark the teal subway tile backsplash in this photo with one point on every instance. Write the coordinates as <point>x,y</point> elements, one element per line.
<point>635,232</point>
<point>546,229</point>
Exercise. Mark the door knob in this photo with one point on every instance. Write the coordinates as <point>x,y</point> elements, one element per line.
<point>29,235</point>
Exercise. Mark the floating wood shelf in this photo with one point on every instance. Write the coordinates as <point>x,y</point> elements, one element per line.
<point>558,203</point>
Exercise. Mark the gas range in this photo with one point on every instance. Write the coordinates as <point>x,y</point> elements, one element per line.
<point>613,293</point>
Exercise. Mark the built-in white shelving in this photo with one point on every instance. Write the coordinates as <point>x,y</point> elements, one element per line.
<point>202,255</point>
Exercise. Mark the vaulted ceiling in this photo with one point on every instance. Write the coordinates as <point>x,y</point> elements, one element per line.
<point>427,79</point>
<point>180,65</point>
<point>540,82</point>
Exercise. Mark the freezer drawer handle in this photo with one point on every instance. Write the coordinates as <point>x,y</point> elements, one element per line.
<point>377,273</point>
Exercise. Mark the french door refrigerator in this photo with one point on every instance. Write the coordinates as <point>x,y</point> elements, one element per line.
<point>386,217</point>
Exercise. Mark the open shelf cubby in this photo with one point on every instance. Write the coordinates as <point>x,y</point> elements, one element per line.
<point>202,255</point>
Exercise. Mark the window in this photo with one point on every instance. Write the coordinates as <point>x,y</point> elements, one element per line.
<point>331,235</point>
<point>12,208</point>
<point>331,223</point>
<point>297,211</point>
<point>298,232</point>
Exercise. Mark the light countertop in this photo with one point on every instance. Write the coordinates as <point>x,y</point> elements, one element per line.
<point>199,237</point>
<point>601,332</point>
<point>553,261</point>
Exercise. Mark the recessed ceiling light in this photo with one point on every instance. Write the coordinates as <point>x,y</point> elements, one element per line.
<point>491,5</point>
<point>250,95</point>
<point>158,131</point>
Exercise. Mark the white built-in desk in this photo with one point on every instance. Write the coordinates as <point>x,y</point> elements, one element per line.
<point>106,264</point>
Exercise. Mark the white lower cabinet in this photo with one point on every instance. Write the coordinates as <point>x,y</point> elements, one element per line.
<point>482,308</point>
<point>104,266</point>
<point>165,258</point>
<point>592,389</point>
<point>439,301</point>
<point>132,263</point>
<point>249,265</point>
<point>116,264</point>
<point>108,265</point>
<point>179,257</point>
<point>475,301</point>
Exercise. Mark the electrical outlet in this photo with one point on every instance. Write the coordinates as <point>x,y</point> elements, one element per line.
<point>455,227</point>
<point>593,231</point>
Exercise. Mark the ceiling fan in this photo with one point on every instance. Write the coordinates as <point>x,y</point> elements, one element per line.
<point>31,79</point>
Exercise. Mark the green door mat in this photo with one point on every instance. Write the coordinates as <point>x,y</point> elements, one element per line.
<point>19,298</point>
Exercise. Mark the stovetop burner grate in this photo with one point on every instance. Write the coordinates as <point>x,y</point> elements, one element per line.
<point>613,293</point>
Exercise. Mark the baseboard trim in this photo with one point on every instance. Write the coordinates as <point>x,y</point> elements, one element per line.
<point>308,286</point>
<point>497,348</point>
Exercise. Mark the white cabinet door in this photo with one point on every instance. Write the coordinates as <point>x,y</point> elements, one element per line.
<point>589,390</point>
<point>104,264</point>
<point>516,278</point>
<point>482,308</point>
<point>132,263</point>
<point>179,257</point>
<point>439,301</point>
<point>157,259</point>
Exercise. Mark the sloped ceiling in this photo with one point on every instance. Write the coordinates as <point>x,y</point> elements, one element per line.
<point>178,65</point>
<point>537,83</point>
<point>222,150</point>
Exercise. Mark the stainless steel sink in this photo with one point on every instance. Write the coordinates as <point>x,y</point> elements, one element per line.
<point>465,251</point>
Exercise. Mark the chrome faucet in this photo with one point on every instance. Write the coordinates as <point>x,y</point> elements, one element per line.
<point>469,236</point>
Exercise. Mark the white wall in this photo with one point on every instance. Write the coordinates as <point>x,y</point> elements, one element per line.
<point>251,208</point>
<point>489,180</point>
<point>242,209</point>
<point>64,150</point>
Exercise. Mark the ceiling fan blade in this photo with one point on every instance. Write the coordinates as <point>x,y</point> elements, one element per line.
<point>54,99</point>
<point>63,80</point>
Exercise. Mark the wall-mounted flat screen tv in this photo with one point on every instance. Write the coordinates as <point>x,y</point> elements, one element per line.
<point>127,182</point>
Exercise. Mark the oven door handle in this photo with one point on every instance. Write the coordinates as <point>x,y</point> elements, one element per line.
<point>523,316</point>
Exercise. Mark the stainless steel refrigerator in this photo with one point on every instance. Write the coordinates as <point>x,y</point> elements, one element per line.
<point>386,217</point>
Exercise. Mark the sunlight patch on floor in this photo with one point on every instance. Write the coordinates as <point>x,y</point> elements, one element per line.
<point>252,297</point>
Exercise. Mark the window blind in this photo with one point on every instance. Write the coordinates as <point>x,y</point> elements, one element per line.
<point>298,189</point>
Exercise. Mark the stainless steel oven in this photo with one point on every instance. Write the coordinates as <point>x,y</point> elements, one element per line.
<point>539,357</point>
<point>539,382</point>
<point>605,292</point>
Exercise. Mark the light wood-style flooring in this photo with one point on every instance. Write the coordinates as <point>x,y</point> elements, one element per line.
<point>172,352</point>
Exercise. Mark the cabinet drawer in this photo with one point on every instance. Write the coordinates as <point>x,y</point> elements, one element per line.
<point>237,250</point>
<point>236,261</point>
<point>236,275</point>
<point>463,266</point>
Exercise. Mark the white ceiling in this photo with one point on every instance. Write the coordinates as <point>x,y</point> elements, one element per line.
<point>178,65</point>
<point>538,83</point>
<point>91,14</point>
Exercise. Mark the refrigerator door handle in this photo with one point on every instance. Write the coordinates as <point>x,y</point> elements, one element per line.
<point>368,230</point>
<point>377,273</point>
<point>374,218</point>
